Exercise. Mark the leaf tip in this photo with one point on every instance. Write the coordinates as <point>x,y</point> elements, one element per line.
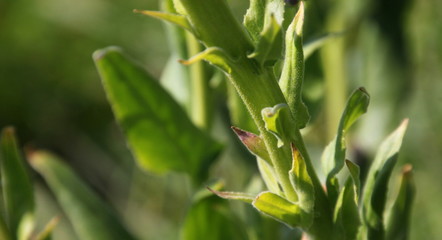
<point>101,53</point>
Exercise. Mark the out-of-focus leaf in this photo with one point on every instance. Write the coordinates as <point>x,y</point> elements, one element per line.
<point>292,75</point>
<point>253,143</point>
<point>334,154</point>
<point>176,19</point>
<point>254,18</point>
<point>159,132</point>
<point>17,188</point>
<point>46,233</point>
<point>211,219</point>
<point>247,198</point>
<point>175,77</point>
<point>269,46</point>
<point>278,208</point>
<point>4,232</point>
<point>215,56</point>
<point>311,46</point>
<point>238,112</point>
<point>276,122</point>
<point>346,215</point>
<point>375,190</point>
<point>398,221</point>
<point>303,185</point>
<point>91,217</point>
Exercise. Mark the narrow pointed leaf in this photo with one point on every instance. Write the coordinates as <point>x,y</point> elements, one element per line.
<point>398,221</point>
<point>253,143</point>
<point>334,154</point>
<point>377,181</point>
<point>311,46</point>
<point>176,19</point>
<point>303,185</point>
<point>292,75</point>
<point>247,198</point>
<point>46,233</point>
<point>268,174</point>
<point>346,215</point>
<point>278,208</point>
<point>276,122</point>
<point>254,18</point>
<point>269,47</point>
<point>354,173</point>
<point>91,217</point>
<point>215,56</point>
<point>148,116</point>
<point>16,186</point>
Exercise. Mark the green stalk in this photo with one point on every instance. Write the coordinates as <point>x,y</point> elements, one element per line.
<point>258,88</point>
<point>199,95</point>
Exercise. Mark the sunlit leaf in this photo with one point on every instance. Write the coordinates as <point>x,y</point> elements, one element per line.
<point>334,154</point>
<point>215,56</point>
<point>269,46</point>
<point>292,75</point>
<point>247,198</point>
<point>303,185</point>
<point>278,208</point>
<point>17,188</point>
<point>176,19</point>
<point>276,122</point>
<point>89,215</point>
<point>254,18</point>
<point>375,190</point>
<point>253,143</point>
<point>158,131</point>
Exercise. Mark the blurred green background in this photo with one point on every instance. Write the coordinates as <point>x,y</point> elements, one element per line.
<point>51,92</point>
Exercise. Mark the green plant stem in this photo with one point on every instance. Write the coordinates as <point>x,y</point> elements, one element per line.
<point>258,88</point>
<point>199,95</point>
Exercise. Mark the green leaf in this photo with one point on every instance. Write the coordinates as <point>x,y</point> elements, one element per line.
<point>91,217</point>
<point>4,231</point>
<point>46,233</point>
<point>303,185</point>
<point>279,208</point>
<point>346,215</point>
<point>269,47</point>
<point>268,174</point>
<point>159,132</point>
<point>276,121</point>
<point>247,198</point>
<point>334,154</point>
<point>17,188</point>
<point>354,173</point>
<point>375,190</point>
<point>292,75</point>
<point>398,220</point>
<point>211,219</point>
<point>254,18</point>
<point>311,46</point>
<point>176,19</point>
<point>215,56</point>
<point>253,143</point>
